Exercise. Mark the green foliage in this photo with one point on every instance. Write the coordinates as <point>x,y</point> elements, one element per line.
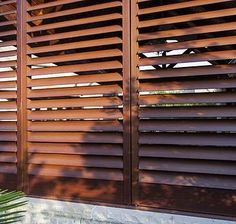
<point>11,204</point>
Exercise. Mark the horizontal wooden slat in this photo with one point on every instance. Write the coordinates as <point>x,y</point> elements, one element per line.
<point>7,2</point>
<point>188,85</point>
<point>7,126</point>
<point>81,102</point>
<point>176,6</point>
<point>188,152</point>
<point>188,98</point>
<point>76,172</point>
<point>8,105</point>
<point>206,181</point>
<point>75,57</point>
<point>8,136</point>
<point>76,68</point>
<point>75,45</point>
<point>9,74</point>
<point>7,84</point>
<point>188,112</point>
<point>75,22</point>
<point>76,160</point>
<point>190,71</point>
<point>71,34</point>
<point>202,139</point>
<point>188,125</point>
<point>76,149</point>
<point>8,115</point>
<point>51,4</point>
<point>187,166</point>
<point>75,114</point>
<point>7,157</point>
<point>8,147</point>
<point>75,137</point>
<point>8,169</point>
<point>189,31</point>
<point>187,18</point>
<point>98,89</point>
<point>199,43</point>
<point>62,126</point>
<point>106,77</point>
<point>208,56</point>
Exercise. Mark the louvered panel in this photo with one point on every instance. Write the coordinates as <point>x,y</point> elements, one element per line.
<point>186,105</point>
<point>75,99</point>
<point>8,127</point>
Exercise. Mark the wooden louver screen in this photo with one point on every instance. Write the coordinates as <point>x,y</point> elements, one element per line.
<point>186,85</point>
<point>120,101</point>
<point>8,127</point>
<point>75,106</point>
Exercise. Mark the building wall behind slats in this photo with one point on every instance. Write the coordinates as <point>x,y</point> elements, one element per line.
<point>121,102</point>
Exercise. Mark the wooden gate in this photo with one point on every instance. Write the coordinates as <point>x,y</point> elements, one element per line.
<point>123,102</point>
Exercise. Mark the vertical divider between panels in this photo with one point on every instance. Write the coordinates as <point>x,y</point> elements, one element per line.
<point>134,101</point>
<point>22,95</point>
<point>126,101</point>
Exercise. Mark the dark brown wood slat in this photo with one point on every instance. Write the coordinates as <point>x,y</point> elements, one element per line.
<point>8,169</point>
<point>76,68</point>
<point>101,78</point>
<point>206,181</point>
<point>188,112</point>
<point>7,126</point>
<point>10,74</point>
<point>75,22</point>
<point>63,137</point>
<point>76,172</point>
<point>84,90</point>
<point>6,157</point>
<point>188,152</point>
<point>72,34</point>
<point>186,125</point>
<point>208,56</point>
<point>187,166</point>
<point>76,160</point>
<point>7,84</point>
<point>75,45</point>
<point>8,105</point>
<point>189,85</point>
<point>75,11</point>
<point>203,139</point>
<point>7,64</point>
<point>191,71</point>
<point>187,18</point>
<point>51,4</point>
<point>199,43</point>
<point>8,147</point>
<point>176,6</point>
<point>8,43</point>
<point>7,2</point>
<point>8,95</point>
<point>8,115</point>
<point>72,126</point>
<point>8,13</point>
<point>7,53</point>
<point>76,57</point>
<point>8,136</point>
<point>77,149</point>
<point>7,23</point>
<point>189,31</point>
<point>188,98</point>
<point>106,114</point>
<point>81,102</point>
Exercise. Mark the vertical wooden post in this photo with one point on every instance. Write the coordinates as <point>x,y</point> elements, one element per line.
<point>21,94</point>
<point>126,101</point>
<point>134,100</point>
